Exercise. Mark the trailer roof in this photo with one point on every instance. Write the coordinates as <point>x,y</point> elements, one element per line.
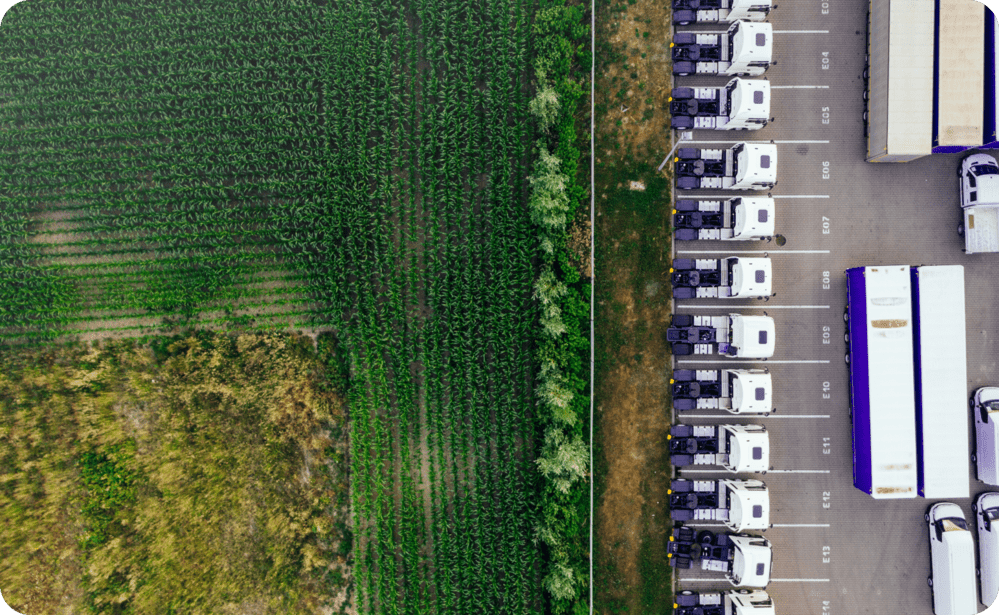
<point>942,381</point>
<point>960,83</point>
<point>910,77</point>
<point>883,381</point>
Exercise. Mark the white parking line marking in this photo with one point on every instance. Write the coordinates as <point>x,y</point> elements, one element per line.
<point>756,416</point>
<point>801,31</point>
<point>748,361</point>
<point>767,252</point>
<point>713,580</point>
<point>800,580</point>
<point>767,307</point>
<point>748,141</point>
<point>799,87</point>
<point>800,196</point>
<point>800,525</point>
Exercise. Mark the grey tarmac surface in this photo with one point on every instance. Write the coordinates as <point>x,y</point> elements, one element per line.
<point>837,551</point>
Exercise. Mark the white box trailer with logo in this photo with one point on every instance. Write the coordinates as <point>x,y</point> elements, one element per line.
<point>941,381</point>
<point>882,380</point>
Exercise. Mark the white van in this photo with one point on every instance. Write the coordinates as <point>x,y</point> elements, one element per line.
<point>986,509</point>
<point>952,560</point>
<point>985,406</point>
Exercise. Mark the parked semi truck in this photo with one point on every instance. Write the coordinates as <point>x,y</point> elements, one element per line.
<point>740,504</point>
<point>721,278</point>
<point>736,219</point>
<point>715,11</point>
<point>882,383</point>
<point>744,166</point>
<point>745,50</point>
<point>731,602</point>
<point>941,381</point>
<point>739,391</point>
<point>733,335</point>
<point>744,559</point>
<point>979,183</point>
<point>741,449</point>
<point>743,104</point>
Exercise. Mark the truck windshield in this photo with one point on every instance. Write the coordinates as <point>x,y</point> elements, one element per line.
<point>985,169</point>
<point>953,525</point>
<point>991,514</point>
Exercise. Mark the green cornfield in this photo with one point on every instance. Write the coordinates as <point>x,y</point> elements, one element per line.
<point>356,166</point>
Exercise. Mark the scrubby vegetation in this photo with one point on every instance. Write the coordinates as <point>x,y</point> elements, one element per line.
<point>199,474</point>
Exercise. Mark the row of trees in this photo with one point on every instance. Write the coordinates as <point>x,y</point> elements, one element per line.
<point>557,192</point>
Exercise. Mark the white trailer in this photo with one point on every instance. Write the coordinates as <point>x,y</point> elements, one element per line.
<point>941,381</point>
<point>744,166</point>
<point>743,104</point>
<point>882,382</point>
<point>979,184</point>
<point>735,277</point>
<point>740,504</point>
<point>737,219</point>
<point>733,335</point>
<point>745,50</point>
<point>738,391</point>
<point>740,449</point>
<point>715,11</point>
<point>732,602</point>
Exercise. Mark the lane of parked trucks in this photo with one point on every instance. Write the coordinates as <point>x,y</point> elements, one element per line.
<point>731,365</point>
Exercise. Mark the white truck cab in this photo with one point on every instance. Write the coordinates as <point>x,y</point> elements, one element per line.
<point>985,406</point>
<point>743,104</point>
<point>753,336</point>
<point>751,565</point>
<point>979,182</point>
<point>952,561</point>
<point>744,166</point>
<point>732,602</point>
<point>986,508</point>
<point>741,504</point>
<point>745,50</point>
<point>735,219</point>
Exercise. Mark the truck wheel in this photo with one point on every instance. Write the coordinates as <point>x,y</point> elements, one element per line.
<point>846,316</point>
<point>929,581</point>
<point>974,508</point>
<point>974,458</point>
<point>960,230</point>
<point>846,338</point>
<point>926,517</point>
<point>846,358</point>
<point>684,74</point>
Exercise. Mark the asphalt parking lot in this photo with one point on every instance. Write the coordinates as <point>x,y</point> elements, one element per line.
<point>836,550</point>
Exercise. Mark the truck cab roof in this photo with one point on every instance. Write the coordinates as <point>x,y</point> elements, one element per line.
<point>750,98</point>
<point>755,217</point>
<point>753,336</point>
<point>749,509</point>
<point>752,277</point>
<point>757,163</point>
<point>751,564</point>
<point>751,392</point>
<point>749,451</point>
<point>979,181</point>
<point>753,41</point>
<point>756,602</point>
